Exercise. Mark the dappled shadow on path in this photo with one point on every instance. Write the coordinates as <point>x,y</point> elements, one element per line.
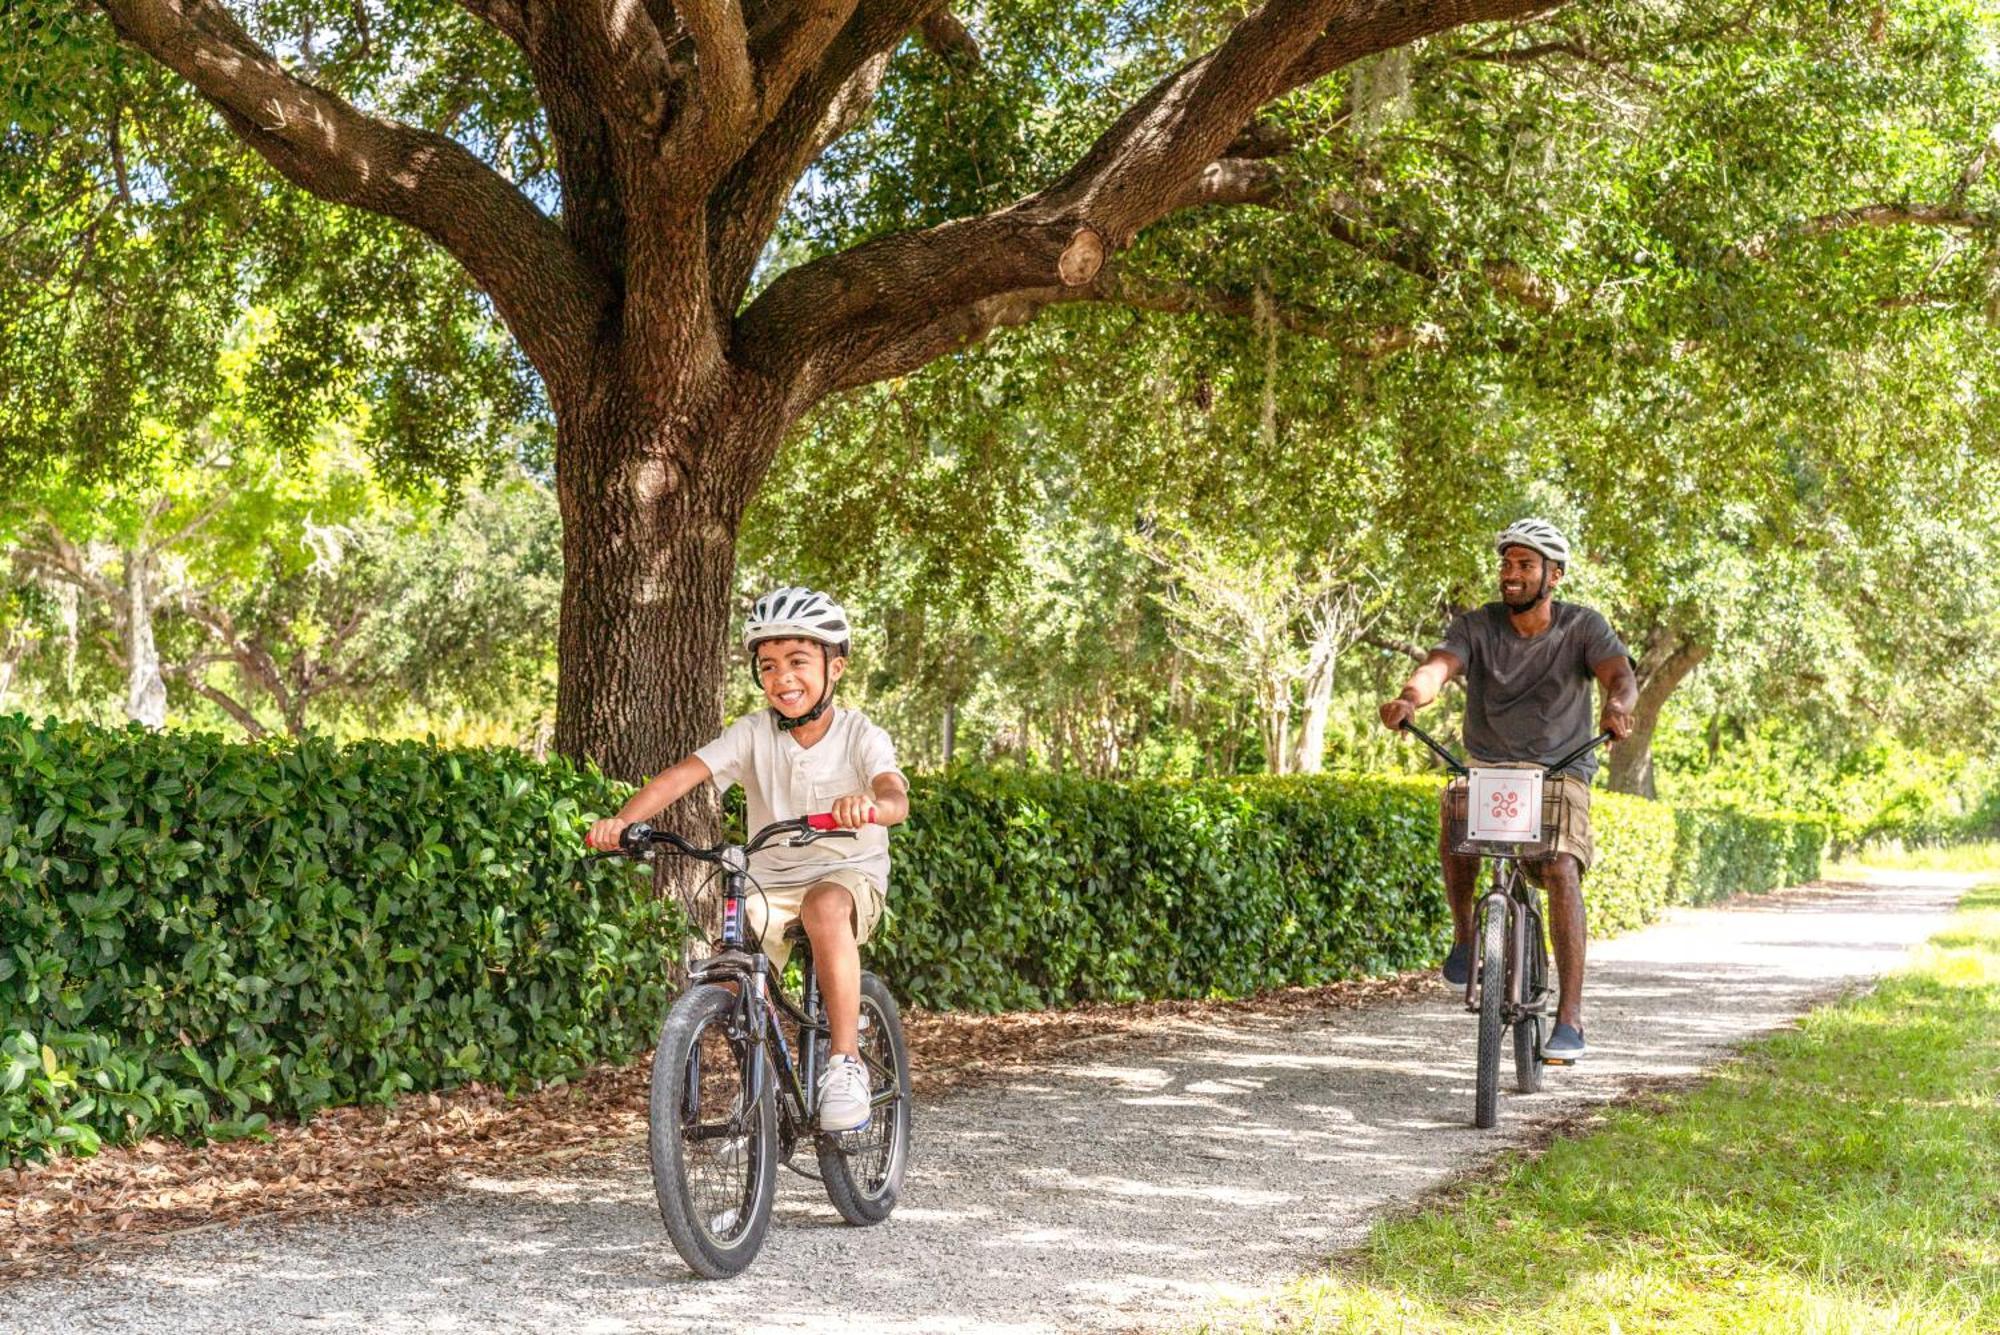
<point>1120,1187</point>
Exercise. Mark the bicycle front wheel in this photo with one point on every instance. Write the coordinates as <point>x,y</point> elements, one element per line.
<point>1529,955</point>
<point>863,1170</point>
<point>1492,965</point>
<point>714,1148</point>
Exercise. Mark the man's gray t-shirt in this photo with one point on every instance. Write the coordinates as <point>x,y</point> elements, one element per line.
<point>1530,699</point>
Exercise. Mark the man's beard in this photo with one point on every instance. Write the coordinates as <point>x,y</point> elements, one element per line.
<point>1527,605</point>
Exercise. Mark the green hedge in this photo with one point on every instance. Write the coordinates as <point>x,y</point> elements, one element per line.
<point>1026,890</point>
<point>196,935</point>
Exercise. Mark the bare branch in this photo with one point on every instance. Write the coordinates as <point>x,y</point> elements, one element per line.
<point>1381,25</point>
<point>1387,645</point>
<point>547,296</point>
<point>192,675</point>
<point>1955,217</point>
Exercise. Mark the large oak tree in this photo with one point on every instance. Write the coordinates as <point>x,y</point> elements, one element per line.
<point>679,130</point>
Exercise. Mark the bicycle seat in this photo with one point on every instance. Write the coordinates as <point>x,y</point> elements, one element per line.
<point>795,931</point>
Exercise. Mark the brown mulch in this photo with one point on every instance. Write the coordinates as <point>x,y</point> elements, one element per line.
<point>75,1209</point>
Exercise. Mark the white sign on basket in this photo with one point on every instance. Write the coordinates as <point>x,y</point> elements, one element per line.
<point>1504,805</point>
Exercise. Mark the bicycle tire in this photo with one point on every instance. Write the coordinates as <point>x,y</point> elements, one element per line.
<point>1492,966</point>
<point>717,1227</point>
<point>1528,1027</point>
<point>863,1171</point>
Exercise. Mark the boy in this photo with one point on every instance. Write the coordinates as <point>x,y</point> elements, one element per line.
<point>798,758</point>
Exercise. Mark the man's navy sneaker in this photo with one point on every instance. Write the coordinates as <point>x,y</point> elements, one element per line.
<point>1565,1044</point>
<point>1458,964</point>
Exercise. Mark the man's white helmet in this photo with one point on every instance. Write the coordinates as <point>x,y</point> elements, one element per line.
<point>797,614</point>
<point>1536,535</point>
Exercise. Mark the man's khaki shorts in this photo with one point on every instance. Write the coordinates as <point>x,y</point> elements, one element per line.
<point>1573,838</point>
<point>769,914</point>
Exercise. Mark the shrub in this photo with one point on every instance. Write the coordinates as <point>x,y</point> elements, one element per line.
<point>198,934</point>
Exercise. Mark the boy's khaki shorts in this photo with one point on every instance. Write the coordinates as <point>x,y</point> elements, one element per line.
<point>769,914</point>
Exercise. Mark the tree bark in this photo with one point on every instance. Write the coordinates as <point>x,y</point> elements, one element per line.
<point>1665,664</point>
<point>145,688</point>
<point>1311,757</point>
<point>649,558</point>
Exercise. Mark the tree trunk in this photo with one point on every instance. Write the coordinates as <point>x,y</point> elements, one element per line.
<point>1311,754</point>
<point>1663,667</point>
<point>651,503</point>
<point>145,689</point>
<point>950,731</point>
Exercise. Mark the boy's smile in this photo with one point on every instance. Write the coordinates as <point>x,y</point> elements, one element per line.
<point>795,674</point>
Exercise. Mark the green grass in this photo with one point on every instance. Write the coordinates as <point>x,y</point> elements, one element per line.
<point>1983,857</point>
<point>1841,1177</point>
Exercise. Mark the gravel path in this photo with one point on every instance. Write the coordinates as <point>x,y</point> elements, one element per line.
<point>1124,1187</point>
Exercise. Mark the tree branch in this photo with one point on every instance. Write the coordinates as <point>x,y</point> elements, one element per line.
<point>724,105</point>
<point>840,320</point>
<point>947,38</point>
<point>825,102</point>
<point>1952,216</point>
<point>546,294</point>
<point>957,329</point>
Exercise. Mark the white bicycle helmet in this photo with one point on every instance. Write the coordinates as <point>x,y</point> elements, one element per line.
<point>797,614</point>
<point>1537,535</point>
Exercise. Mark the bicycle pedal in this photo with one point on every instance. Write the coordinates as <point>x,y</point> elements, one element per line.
<point>1557,1061</point>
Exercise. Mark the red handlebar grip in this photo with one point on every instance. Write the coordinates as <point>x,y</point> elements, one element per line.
<point>825,821</point>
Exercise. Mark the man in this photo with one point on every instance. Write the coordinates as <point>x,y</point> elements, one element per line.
<point>1528,663</point>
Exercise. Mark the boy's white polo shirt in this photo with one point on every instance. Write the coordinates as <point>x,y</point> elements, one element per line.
<point>783,781</point>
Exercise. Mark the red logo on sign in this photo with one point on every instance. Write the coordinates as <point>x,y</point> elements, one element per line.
<point>1506,806</point>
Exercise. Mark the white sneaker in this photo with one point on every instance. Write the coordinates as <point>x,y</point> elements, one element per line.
<point>843,1094</point>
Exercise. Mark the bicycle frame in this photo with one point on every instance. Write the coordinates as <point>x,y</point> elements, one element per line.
<point>1513,894</point>
<point>742,964</point>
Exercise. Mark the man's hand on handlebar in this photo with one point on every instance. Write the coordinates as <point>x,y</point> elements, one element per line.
<point>603,836</point>
<point>1616,721</point>
<point>1397,712</point>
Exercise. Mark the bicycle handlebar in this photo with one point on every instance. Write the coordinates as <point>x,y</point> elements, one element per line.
<point>640,838</point>
<point>1457,766</point>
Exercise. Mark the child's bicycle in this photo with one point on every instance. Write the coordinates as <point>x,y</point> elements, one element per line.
<point>1507,931</point>
<point>728,1104</point>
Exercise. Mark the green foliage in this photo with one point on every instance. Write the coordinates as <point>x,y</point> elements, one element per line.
<point>1026,890</point>
<point>198,935</point>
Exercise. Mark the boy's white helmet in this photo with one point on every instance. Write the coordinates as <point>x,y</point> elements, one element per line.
<point>797,614</point>
<point>1537,535</point>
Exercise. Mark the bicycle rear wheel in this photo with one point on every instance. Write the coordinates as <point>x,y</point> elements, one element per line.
<point>714,1149</point>
<point>1492,965</point>
<point>863,1170</point>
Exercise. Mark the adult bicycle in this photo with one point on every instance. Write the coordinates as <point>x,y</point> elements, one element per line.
<point>731,1101</point>
<point>1508,929</point>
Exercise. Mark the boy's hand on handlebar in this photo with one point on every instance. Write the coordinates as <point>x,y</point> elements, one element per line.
<point>1397,712</point>
<point>604,834</point>
<point>853,811</point>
